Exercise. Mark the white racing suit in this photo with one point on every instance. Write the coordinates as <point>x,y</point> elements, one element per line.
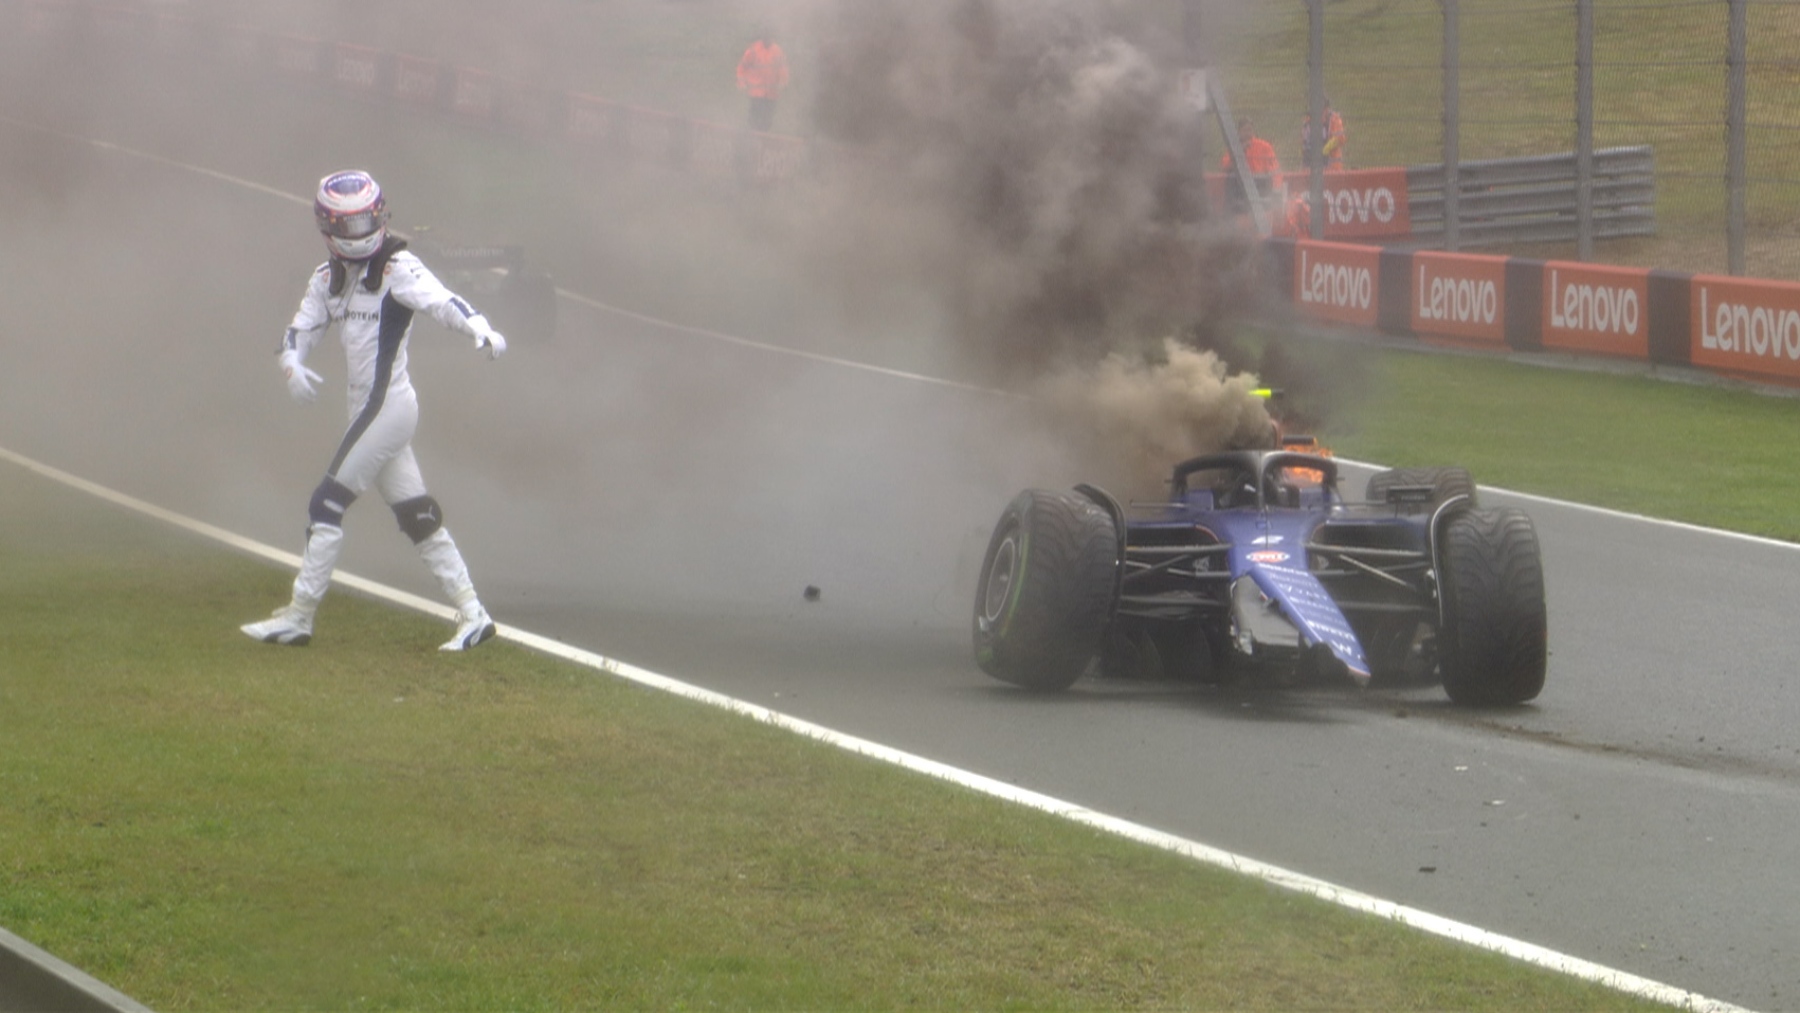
<point>373,303</point>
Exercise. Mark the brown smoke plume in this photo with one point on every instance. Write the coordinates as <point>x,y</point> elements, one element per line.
<point>1033,168</point>
<point>1133,418</point>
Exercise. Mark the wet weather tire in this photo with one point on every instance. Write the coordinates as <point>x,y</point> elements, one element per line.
<point>1046,590</point>
<point>1492,648</point>
<point>1444,483</point>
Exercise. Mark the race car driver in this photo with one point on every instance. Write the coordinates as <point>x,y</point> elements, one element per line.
<point>370,288</point>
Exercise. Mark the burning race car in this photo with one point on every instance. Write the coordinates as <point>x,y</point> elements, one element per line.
<point>1258,565</point>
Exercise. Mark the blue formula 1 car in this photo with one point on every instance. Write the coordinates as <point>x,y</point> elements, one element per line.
<point>1257,565</point>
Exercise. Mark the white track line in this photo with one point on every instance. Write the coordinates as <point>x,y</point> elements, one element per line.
<point>1424,921</point>
<point>1517,949</point>
<point>1619,515</point>
<point>733,339</point>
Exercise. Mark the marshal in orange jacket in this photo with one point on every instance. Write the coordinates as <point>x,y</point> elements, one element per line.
<point>763,71</point>
<point>1261,156</point>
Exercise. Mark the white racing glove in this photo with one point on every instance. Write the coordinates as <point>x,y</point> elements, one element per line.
<point>491,342</point>
<point>300,380</point>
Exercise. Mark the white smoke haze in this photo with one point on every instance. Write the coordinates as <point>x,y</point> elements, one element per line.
<point>1006,204</point>
<point>1009,190</point>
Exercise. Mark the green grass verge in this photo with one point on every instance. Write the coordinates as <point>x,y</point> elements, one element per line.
<point>1705,454</point>
<point>209,823</point>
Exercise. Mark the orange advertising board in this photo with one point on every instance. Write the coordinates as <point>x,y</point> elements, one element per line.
<point>590,118</point>
<point>296,55</point>
<point>355,66</point>
<point>472,93</point>
<point>1597,309</point>
<point>1337,281</point>
<point>1360,203</point>
<point>415,78</point>
<point>1459,295</point>
<point>1741,325</point>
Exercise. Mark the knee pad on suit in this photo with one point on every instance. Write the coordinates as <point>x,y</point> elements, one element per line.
<point>420,517</point>
<point>329,501</point>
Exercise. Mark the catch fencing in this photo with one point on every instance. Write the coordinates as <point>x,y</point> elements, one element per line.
<point>1710,86</point>
<point>1499,201</point>
<point>1676,311</point>
<point>472,95</point>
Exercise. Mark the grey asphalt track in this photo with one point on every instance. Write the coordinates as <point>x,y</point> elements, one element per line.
<point>663,498</point>
<point>1640,814</point>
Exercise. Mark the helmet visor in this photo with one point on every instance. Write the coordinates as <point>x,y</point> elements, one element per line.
<point>355,225</point>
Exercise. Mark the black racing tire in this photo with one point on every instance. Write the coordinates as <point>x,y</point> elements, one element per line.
<point>1493,644</point>
<point>1444,483</point>
<point>1046,593</point>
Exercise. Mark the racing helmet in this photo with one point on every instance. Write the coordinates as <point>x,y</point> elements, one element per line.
<point>351,214</point>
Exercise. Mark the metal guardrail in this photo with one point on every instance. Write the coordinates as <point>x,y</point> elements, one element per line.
<point>33,981</point>
<point>1534,199</point>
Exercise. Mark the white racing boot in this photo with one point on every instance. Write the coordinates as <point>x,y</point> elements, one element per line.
<point>290,626</point>
<point>473,627</point>
<point>292,623</point>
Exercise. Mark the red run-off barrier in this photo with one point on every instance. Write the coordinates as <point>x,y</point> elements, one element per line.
<point>475,96</point>
<point>1743,327</point>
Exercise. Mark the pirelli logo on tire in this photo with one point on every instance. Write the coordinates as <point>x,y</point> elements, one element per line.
<point>1744,326</point>
<point>1337,281</point>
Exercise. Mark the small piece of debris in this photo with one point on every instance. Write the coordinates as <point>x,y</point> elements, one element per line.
<point>811,593</point>
<point>1427,868</point>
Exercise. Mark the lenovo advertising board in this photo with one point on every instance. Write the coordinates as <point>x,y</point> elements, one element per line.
<point>296,55</point>
<point>416,79</point>
<point>472,93</point>
<point>1337,281</point>
<point>1596,309</point>
<point>1461,296</point>
<point>356,67</point>
<point>1740,325</point>
<point>1361,203</point>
